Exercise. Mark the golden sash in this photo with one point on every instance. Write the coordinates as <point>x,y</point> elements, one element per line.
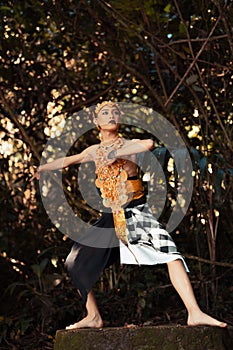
<point>136,191</point>
<point>116,192</point>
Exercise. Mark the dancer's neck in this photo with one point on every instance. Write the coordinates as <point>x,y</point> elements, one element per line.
<point>107,136</point>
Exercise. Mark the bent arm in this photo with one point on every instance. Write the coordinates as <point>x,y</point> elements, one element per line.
<point>134,147</point>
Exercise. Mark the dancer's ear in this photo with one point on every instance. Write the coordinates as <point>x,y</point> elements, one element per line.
<point>95,120</point>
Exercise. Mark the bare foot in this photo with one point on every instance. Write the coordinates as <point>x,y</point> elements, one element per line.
<point>202,319</point>
<point>88,322</point>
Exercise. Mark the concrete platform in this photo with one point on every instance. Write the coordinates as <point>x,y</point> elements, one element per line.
<point>146,338</point>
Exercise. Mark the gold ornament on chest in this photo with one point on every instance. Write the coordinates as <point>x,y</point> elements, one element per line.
<point>116,190</point>
<point>111,179</point>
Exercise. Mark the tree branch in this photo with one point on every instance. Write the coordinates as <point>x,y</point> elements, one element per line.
<point>14,119</point>
<point>201,79</point>
<point>193,40</point>
<point>206,261</point>
<point>225,23</point>
<point>193,63</point>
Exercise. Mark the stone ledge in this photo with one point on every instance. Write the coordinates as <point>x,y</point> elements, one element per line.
<point>146,338</point>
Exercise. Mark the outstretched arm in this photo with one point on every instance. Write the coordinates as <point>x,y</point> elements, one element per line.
<point>86,156</point>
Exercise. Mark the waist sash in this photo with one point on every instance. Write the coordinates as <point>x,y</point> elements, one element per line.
<point>117,191</point>
<point>134,190</point>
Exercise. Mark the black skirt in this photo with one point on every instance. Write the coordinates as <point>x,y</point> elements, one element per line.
<point>85,263</point>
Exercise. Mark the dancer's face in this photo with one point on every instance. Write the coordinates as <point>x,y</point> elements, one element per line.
<point>108,118</point>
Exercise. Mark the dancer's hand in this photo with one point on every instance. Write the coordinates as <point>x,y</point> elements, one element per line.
<point>111,157</point>
<point>36,175</point>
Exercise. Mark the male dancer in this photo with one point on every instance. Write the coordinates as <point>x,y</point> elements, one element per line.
<point>142,240</point>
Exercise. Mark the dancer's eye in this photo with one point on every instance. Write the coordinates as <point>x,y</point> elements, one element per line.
<point>105,112</point>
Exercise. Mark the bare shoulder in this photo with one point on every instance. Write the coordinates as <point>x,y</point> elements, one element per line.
<point>90,150</point>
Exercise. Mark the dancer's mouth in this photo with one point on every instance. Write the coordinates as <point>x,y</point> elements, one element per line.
<point>112,121</point>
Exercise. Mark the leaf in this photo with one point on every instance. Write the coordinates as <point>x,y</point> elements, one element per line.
<point>192,79</point>
<point>43,264</point>
<point>24,293</point>
<point>38,269</point>
<point>230,171</point>
<point>182,29</point>
<point>44,251</point>
<point>24,324</point>
<point>198,89</point>
<point>5,8</point>
<point>11,288</point>
<point>203,167</point>
<point>161,154</point>
<point>167,8</point>
<point>195,155</point>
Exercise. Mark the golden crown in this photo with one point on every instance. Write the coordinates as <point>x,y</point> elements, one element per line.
<point>110,104</point>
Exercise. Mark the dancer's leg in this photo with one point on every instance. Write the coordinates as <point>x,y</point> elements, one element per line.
<point>93,318</point>
<point>181,283</point>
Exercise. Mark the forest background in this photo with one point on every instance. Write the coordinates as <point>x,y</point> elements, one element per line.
<point>61,56</point>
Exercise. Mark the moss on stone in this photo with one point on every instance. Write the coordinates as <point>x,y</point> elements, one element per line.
<point>146,338</point>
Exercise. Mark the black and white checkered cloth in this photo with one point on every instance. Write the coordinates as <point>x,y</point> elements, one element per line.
<point>148,240</point>
<point>144,228</point>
